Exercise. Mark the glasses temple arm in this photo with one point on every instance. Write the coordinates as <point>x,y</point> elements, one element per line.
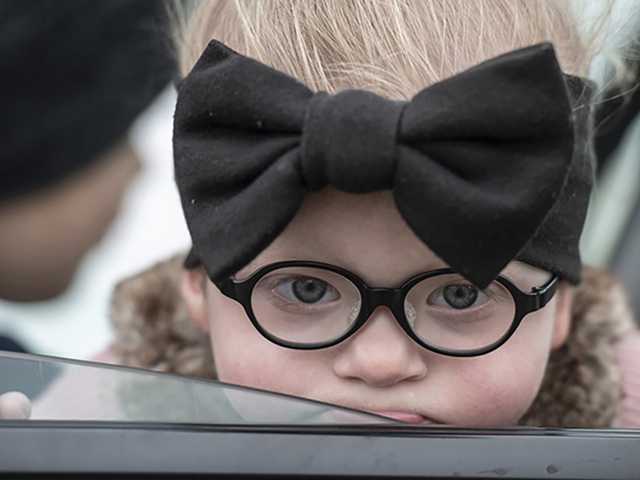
<point>545,292</point>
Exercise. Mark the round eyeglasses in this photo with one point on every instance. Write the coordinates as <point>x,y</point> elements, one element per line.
<point>311,305</point>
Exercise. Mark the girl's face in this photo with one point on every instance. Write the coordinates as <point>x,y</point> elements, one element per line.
<point>379,368</point>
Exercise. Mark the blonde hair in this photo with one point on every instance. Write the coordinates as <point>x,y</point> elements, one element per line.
<point>392,47</point>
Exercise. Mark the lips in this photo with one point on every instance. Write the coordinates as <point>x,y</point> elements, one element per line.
<point>405,417</point>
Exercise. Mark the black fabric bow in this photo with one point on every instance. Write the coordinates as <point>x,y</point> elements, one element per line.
<point>475,162</point>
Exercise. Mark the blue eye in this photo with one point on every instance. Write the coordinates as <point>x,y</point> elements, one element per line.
<point>458,296</point>
<point>306,290</point>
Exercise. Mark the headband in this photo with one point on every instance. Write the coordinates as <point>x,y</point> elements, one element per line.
<point>489,165</point>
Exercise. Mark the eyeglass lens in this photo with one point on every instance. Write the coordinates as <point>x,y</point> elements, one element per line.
<point>307,305</point>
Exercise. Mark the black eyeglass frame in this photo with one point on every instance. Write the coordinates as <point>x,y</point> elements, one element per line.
<point>393,298</point>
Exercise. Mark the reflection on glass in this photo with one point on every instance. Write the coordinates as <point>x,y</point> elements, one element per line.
<point>72,390</point>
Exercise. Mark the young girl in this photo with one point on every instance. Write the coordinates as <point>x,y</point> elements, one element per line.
<point>406,243</point>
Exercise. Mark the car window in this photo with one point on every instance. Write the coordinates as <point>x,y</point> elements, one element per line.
<point>61,389</point>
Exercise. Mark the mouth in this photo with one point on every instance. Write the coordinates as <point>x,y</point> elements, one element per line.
<point>405,417</point>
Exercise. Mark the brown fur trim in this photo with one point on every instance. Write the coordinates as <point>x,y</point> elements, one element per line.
<point>581,387</point>
<point>152,327</point>
<point>582,384</point>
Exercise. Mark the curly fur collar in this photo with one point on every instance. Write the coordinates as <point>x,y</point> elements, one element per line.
<point>581,388</point>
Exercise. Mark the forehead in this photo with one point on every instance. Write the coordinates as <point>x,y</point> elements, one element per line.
<point>364,233</point>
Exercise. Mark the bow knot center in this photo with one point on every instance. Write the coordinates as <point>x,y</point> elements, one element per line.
<point>349,141</point>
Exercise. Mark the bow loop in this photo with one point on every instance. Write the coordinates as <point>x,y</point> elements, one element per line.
<point>349,141</point>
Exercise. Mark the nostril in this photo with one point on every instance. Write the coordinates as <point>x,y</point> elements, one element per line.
<point>389,375</point>
<point>381,368</point>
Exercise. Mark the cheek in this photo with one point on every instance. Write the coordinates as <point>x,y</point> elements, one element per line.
<point>497,389</point>
<point>244,357</point>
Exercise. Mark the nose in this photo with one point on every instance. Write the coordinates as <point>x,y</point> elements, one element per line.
<point>380,354</point>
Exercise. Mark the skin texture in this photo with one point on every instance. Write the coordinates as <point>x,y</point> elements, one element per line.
<point>46,234</point>
<point>379,368</point>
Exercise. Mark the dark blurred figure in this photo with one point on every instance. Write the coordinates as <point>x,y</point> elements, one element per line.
<point>74,76</point>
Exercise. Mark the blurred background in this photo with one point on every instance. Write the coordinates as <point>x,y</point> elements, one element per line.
<point>92,83</point>
<point>86,175</point>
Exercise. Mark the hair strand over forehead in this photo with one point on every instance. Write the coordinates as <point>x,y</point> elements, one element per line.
<point>392,47</point>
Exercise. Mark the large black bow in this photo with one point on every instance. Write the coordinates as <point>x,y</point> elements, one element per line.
<point>475,162</point>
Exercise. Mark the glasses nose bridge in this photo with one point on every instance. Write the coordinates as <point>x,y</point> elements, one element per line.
<point>383,296</point>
